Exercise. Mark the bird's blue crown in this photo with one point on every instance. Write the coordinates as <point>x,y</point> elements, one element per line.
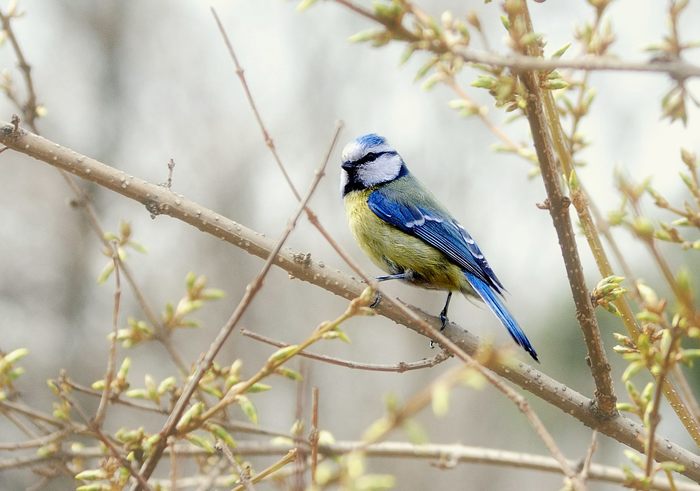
<point>370,140</point>
<point>362,145</point>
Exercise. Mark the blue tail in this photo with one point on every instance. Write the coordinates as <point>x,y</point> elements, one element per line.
<point>491,298</point>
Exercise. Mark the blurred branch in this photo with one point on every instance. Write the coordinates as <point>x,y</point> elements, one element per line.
<point>94,427</point>
<point>30,113</point>
<point>446,453</point>
<point>653,416</point>
<point>266,136</point>
<point>159,200</point>
<point>30,107</point>
<point>314,435</point>
<point>35,442</point>
<point>112,356</point>
<point>676,69</point>
<point>399,367</point>
<point>588,459</point>
<point>226,330</point>
<point>289,457</point>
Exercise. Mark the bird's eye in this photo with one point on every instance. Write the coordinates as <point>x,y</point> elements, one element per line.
<point>369,157</point>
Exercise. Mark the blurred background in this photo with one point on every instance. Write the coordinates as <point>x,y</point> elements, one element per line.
<point>134,84</point>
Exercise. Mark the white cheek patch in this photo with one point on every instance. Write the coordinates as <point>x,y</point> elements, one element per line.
<point>384,169</point>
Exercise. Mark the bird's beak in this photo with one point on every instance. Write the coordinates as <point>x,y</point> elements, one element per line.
<point>346,165</point>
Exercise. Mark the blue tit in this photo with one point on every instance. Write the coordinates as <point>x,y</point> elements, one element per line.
<point>406,232</point>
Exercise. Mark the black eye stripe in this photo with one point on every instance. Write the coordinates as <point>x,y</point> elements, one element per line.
<point>372,156</point>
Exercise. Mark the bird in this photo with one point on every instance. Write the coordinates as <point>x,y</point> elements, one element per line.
<point>408,234</point>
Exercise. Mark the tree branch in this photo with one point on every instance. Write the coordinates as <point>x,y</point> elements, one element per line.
<point>559,210</point>
<point>446,453</point>
<point>399,367</point>
<point>226,330</point>
<point>676,69</point>
<point>159,200</point>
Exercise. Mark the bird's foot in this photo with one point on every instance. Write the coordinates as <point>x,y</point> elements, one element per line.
<point>443,324</point>
<point>377,301</point>
<point>443,321</point>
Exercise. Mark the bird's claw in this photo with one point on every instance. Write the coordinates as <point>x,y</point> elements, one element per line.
<point>443,321</point>
<point>377,301</point>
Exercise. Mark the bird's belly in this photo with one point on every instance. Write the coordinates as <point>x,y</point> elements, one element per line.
<point>397,252</point>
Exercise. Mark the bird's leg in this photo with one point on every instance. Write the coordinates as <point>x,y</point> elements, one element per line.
<point>406,275</point>
<point>443,313</point>
<point>443,317</point>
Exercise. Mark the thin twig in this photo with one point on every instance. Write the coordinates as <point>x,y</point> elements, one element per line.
<point>173,468</point>
<point>588,460</point>
<point>114,399</point>
<point>676,69</point>
<point>209,481</point>
<point>36,442</point>
<point>654,418</point>
<point>511,145</point>
<point>266,136</point>
<point>31,413</point>
<point>239,426</point>
<point>243,474</point>
<point>289,457</point>
<point>29,108</point>
<point>30,114</point>
<point>227,329</point>
<point>111,358</point>
<point>298,474</point>
<point>95,429</point>
<point>400,367</point>
<point>15,420</point>
<point>313,437</point>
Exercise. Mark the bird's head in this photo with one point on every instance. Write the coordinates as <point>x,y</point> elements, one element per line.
<point>369,161</point>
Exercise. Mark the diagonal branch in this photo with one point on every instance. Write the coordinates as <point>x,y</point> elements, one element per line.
<point>226,330</point>
<point>160,200</point>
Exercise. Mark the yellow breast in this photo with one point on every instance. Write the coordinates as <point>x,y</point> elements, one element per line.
<point>395,251</point>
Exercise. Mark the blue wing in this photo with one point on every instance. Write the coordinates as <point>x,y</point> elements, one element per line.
<point>437,228</point>
<point>428,221</point>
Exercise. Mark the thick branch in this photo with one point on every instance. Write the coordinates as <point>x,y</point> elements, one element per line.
<point>159,200</point>
<point>559,210</point>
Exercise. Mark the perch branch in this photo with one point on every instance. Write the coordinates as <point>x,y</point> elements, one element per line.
<point>160,200</point>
